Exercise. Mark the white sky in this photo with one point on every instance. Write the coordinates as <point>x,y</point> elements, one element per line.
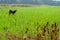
<point>56,0</point>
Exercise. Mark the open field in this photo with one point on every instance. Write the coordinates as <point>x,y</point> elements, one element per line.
<point>27,17</point>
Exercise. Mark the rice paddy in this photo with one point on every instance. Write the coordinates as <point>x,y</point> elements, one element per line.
<point>33,18</point>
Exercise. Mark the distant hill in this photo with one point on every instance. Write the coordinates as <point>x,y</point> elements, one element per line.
<point>35,2</point>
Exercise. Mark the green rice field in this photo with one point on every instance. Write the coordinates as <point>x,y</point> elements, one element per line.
<point>27,17</point>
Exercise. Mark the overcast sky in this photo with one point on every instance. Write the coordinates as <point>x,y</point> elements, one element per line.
<point>56,0</point>
<point>32,0</point>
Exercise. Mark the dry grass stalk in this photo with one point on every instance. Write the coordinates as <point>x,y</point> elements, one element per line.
<point>54,35</point>
<point>12,37</point>
<point>27,37</point>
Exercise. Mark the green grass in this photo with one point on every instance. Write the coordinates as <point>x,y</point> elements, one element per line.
<point>17,23</point>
